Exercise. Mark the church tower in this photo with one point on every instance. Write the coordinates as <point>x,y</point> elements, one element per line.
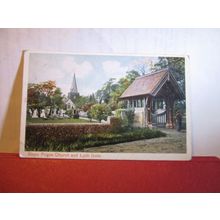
<point>73,94</point>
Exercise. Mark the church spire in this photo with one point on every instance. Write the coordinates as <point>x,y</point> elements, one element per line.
<point>73,94</point>
<point>73,88</point>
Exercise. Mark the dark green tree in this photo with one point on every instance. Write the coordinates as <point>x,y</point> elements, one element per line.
<point>176,66</point>
<point>104,94</point>
<point>123,84</point>
<point>57,98</point>
<point>112,90</point>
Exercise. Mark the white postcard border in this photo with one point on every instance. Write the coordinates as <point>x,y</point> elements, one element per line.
<point>104,156</point>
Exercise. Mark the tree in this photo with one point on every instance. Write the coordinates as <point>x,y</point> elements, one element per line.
<point>144,65</point>
<point>57,99</point>
<point>87,107</point>
<point>123,84</point>
<point>100,111</point>
<point>82,101</point>
<point>176,66</point>
<point>42,95</point>
<point>112,90</point>
<point>104,94</point>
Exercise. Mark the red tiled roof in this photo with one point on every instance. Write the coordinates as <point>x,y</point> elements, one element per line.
<point>145,85</point>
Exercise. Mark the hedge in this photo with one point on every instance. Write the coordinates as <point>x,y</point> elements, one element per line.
<point>93,140</point>
<point>76,137</point>
<point>49,134</point>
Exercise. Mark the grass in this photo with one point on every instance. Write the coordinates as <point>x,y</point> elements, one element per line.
<point>61,120</point>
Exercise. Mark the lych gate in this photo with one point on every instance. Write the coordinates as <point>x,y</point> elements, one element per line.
<point>153,96</point>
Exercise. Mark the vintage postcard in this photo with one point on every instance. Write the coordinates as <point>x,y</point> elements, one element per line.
<point>105,106</point>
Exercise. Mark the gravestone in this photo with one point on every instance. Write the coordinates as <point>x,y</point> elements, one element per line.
<point>35,114</point>
<point>43,115</point>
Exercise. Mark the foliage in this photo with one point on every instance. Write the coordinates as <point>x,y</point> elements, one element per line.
<point>144,65</point>
<point>86,107</point>
<point>94,140</point>
<point>118,112</point>
<point>43,95</point>
<point>57,98</point>
<point>112,90</point>
<point>100,111</point>
<point>116,124</point>
<point>55,138</point>
<point>45,135</point>
<point>104,94</point>
<point>123,84</point>
<point>82,101</point>
<point>176,66</point>
<point>69,113</point>
<point>129,117</point>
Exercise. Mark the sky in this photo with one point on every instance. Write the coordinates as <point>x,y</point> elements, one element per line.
<point>91,71</point>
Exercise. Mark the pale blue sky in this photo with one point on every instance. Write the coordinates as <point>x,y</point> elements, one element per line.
<point>91,71</point>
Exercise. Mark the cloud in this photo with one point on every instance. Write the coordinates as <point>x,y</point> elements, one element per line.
<point>114,69</point>
<point>45,75</point>
<point>70,66</point>
<point>43,68</point>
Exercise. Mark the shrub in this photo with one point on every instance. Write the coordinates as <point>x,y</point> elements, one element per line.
<point>94,140</point>
<point>119,112</point>
<point>87,107</point>
<point>129,114</point>
<point>100,111</point>
<point>116,124</point>
<point>69,113</point>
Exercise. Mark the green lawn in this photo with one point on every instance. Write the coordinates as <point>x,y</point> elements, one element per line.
<point>66,120</point>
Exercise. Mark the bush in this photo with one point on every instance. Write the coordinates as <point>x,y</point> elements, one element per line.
<point>119,112</point>
<point>69,113</point>
<point>129,113</point>
<point>94,140</point>
<point>127,116</point>
<point>100,112</point>
<point>116,124</point>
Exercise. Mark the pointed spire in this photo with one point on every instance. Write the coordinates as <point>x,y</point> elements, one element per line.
<point>73,88</point>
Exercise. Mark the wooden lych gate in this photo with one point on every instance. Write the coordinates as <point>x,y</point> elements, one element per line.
<point>155,93</point>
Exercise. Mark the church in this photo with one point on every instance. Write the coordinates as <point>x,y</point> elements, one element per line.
<point>72,95</point>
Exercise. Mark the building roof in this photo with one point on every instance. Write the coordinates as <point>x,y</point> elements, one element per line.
<point>150,84</point>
